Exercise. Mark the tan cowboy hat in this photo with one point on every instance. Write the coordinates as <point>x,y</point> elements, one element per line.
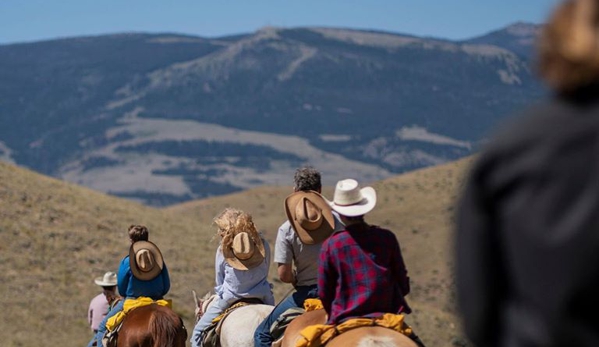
<point>244,254</point>
<point>349,200</point>
<point>145,260</point>
<point>310,216</point>
<point>108,280</point>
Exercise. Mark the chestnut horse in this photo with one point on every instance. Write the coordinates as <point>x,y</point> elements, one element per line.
<point>152,326</point>
<point>363,337</point>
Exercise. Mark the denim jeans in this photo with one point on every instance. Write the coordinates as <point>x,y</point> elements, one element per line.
<point>102,327</point>
<point>262,337</point>
<point>217,307</point>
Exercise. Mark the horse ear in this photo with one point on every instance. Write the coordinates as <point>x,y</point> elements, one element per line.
<point>195,298</point>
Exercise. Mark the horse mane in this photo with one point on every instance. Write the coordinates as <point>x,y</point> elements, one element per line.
<point>152,326</point>
<point>166,327</point>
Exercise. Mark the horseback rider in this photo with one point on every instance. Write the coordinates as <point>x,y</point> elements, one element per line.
<point>361,269</point>
<point>310,221</point>
<point>101,304</point>
<point>142,273</point>
<point>242,264</point>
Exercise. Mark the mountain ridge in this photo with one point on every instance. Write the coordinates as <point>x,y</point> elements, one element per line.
<point>109,108</point>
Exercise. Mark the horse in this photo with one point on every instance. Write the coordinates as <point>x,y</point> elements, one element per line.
<point>358,337</point>
<point>239,326</point>
<point>152,326</point>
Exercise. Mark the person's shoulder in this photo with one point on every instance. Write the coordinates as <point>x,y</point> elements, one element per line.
<point>533,124</point>
<point>285,230</point>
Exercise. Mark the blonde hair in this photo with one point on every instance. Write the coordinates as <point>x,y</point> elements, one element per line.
<point>231,222</point>
<point>568,49</point>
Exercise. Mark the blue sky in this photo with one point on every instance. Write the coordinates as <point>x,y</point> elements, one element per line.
<point>33,20</point>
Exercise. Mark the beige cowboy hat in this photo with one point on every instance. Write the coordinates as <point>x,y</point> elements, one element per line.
<point>349,200</point>
<point>145,260</point>
<point>310,216</point>
<point>244,253</point>
<point>108,280</point>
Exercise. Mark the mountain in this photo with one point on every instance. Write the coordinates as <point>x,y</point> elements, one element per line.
<point>519,38</point>
<point>57,237</point>
<point>166,118</point>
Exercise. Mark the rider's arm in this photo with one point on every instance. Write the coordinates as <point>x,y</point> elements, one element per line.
<point>166,280</point>
<point>286,274</point>
<point>219,267</point>
<point>123,276</point>
<point>327,278</point>
<point>399,266</point>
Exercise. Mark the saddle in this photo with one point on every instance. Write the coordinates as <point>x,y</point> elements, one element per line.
<point>318,335</point>
<point>277,329</point>
<point>212,332</point>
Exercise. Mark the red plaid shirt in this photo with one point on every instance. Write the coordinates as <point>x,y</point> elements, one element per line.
<point>362,274</point>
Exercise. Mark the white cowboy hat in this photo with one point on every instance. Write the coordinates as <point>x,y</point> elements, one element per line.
<point>108,280</point>
<point>244,253</point>
<point>310,216</point>
<point>145,260</point>
<point>349,200</point>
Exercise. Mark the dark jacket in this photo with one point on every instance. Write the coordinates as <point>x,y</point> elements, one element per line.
<point>528,231</point>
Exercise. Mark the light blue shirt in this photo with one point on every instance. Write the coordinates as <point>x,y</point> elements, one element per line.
<point>233,284</point>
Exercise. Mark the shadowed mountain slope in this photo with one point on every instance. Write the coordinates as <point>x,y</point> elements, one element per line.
<point>167,118</point>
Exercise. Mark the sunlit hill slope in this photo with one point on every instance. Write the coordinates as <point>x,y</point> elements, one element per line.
<point>57,237</point>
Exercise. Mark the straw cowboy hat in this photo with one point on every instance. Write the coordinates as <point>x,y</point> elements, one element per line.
<point>244,253</point>
<point>351,201</point>
<point>310,216</point>
<point>108,280</point>
<point>145,260</point>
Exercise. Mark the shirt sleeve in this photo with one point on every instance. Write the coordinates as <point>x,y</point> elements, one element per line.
<point>477,274</point>
<point>399,266</point>
<point>124,276</point>
<point>283,246</point>
<point>166,280</point>
<point>90,314</point>
<point>327,277</point>
<point>266,251</point>
<point>219,265</point>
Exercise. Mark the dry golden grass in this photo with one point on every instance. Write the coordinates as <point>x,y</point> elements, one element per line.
<point>57,237</point>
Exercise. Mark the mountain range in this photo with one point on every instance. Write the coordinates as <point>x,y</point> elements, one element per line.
<point>167,118</point>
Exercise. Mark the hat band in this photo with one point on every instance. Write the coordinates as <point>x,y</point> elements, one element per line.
<point>350,203</point>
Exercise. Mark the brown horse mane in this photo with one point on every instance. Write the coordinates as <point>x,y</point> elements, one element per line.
<point>152,326</point>
<point>165,327</point>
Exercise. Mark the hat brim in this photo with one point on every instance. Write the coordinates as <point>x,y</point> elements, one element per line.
<point>152,248</point>
<point>366,205</point>
<point>245,264</point>
<point>100,281</point>
<point>319,234</point>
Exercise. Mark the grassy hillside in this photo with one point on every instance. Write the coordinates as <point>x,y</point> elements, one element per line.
<point>57,237</point>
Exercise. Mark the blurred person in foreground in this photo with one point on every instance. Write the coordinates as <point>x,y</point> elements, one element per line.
<point>528,222</point>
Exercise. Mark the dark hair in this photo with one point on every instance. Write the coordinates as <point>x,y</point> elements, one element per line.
<point>138,233</point>
<point>307,178</point>
<point>355,218</point>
